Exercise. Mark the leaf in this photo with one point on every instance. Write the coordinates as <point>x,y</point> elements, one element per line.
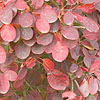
<point>31,63</point>
<point>45,39</point>
<point>50,15</point>
<point>19,83</point>
<point>36,95</point>
<point>48,48</point>
<point>95,66</point>
<point>97,74</point>
<point>93,86</point>
<point>33,77</point>
<point>8,33</point>
<point>69,94</point>
<point>37,49</point>
<point>70,32</point>
<point>10,75</point>
<point>90,24</point>
<point>27,33</point>
<point>68,18</point>
<point>60,51</point>
<point>26,19</point>
<point>6,15</point>
<point>48,65</point>
<point>54,96</point>
<point>83,89</point>
<point>89,1</point>
<point>55,26</point>
<point>87,61</point>
<point>91,97</point>
<point>22,51</point>
<point>2,55</point>
<point>37,3</point>
<point>94,44</point>
<point>90,35</point>
<point>30,42</point>
<point>22,73</point>
<point>97,6</point>
<point>17,35</point>
<point>13,67</point>
<point>21,5</point>
<point>70,43</point>
<point>73,68</point>
<point>42,25</point>
<point>57,80</point>
<point>79,72</point>
<point>4,84</point>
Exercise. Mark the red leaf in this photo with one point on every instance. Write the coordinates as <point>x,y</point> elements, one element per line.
<point>60,51</point>
<point>69,94</point>
<point>68,18</point>
<point>6,15</point>
<point>70,43</point>
<point>10,75</point>
<point>90,24</point>
<point>97,74</point>
<point>37,3</point>
<point>31,63</point>
<point>8,32</point>
<point>2,55</point>
<point>73,68</point>
<point>26,33</point>
<point>83,89</point>
<point>93,86</point>
<point>22,73</point>
<point>79,72</point>
<point>48,65</point>
<point>21,5</point>
<point>4,84</point>
<point>49,47</point>
<point>37,49</point>
<point>91,97</point>
<point>95,66</point>
<point>42,25</point>
<point>50,15</point>
<point>58,80</point>
<point>26,19</point>
<point>45,39</point>
<point>22,51</point>
<point>70,32</point>
<point>90,35</point>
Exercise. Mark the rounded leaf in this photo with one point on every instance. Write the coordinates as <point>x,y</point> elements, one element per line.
<point>42,25</point>
<point>26,19</point>
<point>50,15</point>
<point>57,80</point>
<point>8,33</point>
<point>90,24</point>
<point>4,84</point>
<point>37,49</point>
<point>26,33</point>
<point>10,75</point>
<point>70,32</point>
<point>45,39</point>
<point>6,15</point>
<point>60,51</point>
<point>68,18</point>
<point>22,51</point>
<point>2,55</point>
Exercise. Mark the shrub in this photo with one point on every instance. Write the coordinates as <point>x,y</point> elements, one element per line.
<point>49,50</point>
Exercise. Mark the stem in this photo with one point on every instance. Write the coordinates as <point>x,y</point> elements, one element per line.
<point>76,83</point>
<point>28,85</point>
